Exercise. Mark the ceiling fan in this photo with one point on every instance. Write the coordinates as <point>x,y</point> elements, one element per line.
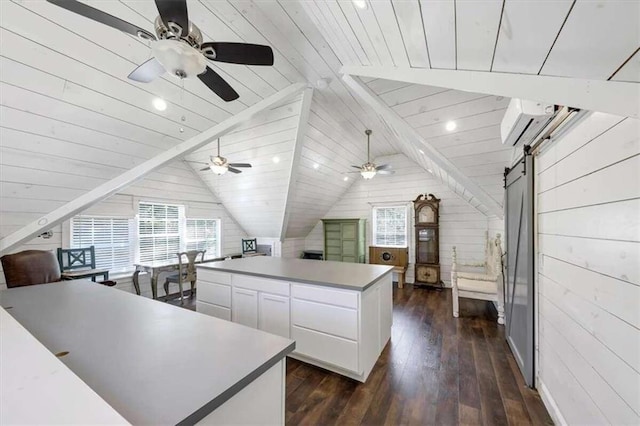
<point>219,165</point>
<point>368,170</point>
<point>178,47</point>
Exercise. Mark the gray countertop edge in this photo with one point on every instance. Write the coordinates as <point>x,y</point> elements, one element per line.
<point>298,280</point>
<point>212,405</point>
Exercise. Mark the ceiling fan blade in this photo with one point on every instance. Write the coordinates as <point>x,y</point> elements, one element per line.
<point>238,53</point>
<point>147,72</point>
<point>174,11</point>
<point>217,84</point>
<point>356,167</point>
<point>232,170</point>
<point>239,164</point>
<point>383,167</point>
<point>205,169</point>
<point>386,172</point>
<point>103,17</point>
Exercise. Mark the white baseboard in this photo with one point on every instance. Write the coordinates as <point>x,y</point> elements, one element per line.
<point>550,404</point>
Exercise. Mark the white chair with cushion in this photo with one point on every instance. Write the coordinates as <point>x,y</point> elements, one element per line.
<point>486,285</point>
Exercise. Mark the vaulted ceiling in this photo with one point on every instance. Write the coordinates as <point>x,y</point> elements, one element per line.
<point>51,57</point>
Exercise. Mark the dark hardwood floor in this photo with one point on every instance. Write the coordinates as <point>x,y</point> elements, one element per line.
<point>436,370</point>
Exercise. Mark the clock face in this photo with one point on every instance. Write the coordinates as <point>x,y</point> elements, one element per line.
<point>426,215</point>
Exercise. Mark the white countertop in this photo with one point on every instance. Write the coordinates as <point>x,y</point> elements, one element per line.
<point>154,363</point>
<point>350,276</point>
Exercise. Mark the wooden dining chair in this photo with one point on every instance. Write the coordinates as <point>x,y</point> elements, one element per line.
<point>186,271</point>
<point>30,267</point>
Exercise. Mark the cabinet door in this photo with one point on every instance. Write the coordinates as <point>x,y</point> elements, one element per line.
<point>244,308</point>
<point>274,314</point>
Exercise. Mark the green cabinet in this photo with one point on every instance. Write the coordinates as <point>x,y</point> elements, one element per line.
<point>344,240</point>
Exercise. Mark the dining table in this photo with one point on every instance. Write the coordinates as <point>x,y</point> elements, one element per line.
<point>156,267</point>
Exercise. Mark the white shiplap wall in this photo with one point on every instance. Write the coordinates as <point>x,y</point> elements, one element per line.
<point>588,212</point>
<point>460,224</point>
<point>293,247</point>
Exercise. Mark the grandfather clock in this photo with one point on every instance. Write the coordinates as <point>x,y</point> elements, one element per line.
<point>427,240</point>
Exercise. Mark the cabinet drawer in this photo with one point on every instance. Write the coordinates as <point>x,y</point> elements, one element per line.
<point>333,350</point>
<point>261,284</point>
<point>217,294</point>
<point>347,299</point>
<point>214,276</point>
<point>334,320</point>
<point>213,310</point>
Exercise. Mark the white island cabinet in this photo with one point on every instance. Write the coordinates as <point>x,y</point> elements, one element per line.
<point>339,314</point>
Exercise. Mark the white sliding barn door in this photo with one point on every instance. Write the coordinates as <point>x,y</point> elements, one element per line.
<point>519,291</point>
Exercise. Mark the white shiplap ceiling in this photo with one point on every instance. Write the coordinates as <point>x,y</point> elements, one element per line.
<point>66,68</point>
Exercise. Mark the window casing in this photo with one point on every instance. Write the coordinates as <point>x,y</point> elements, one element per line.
<point>112,238</point>
<point>390,226</point>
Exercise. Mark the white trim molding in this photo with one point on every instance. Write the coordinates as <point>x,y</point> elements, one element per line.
<point>615,97</point>
<point>301,131</point>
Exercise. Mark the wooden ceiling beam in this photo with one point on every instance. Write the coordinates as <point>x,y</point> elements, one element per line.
<point>137,173</point>
<point>413,137</point>
<point>614,97</point>
<point>301,131</point>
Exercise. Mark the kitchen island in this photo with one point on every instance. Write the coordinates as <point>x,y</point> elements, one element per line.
<point>151,362</point>
<point>339,314</point>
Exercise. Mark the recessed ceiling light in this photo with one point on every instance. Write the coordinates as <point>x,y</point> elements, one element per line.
<point>316,166</point>
<point>450,126</point>
<point>159,104</point>
<point>361,4</point>
<point>276,160</point>
<point>421,151</point>
<point>346,178</point>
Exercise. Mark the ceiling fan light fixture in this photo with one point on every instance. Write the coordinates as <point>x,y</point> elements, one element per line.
<point>451,125</point>
<point>219,169</point>
<point>316,166</point>
<point>179,58</point>
<point>160,104</point>
<point>368,174</point>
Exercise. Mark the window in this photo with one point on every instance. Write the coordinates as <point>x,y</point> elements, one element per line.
<point>390,226</point>
<point>111,237</point>
<point>203,234</point>
<point>159,231</point>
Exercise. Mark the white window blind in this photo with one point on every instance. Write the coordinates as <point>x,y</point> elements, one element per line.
<point>390,226</point>
<point>111,238</point>
<point>159,231</point>
<point>204,234</point>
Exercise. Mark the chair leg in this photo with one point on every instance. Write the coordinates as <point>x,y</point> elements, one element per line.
<point>181,292</point>
<point>500,312</point>
<point>166,287</point>
<point>193,287</point>
<point>454,293</point>
<point>454,298</point>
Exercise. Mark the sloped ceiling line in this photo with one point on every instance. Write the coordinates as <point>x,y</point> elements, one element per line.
<point>140,171</point>
<point>615,97</point>
<point>402,127</point>
<point>301,131</point>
